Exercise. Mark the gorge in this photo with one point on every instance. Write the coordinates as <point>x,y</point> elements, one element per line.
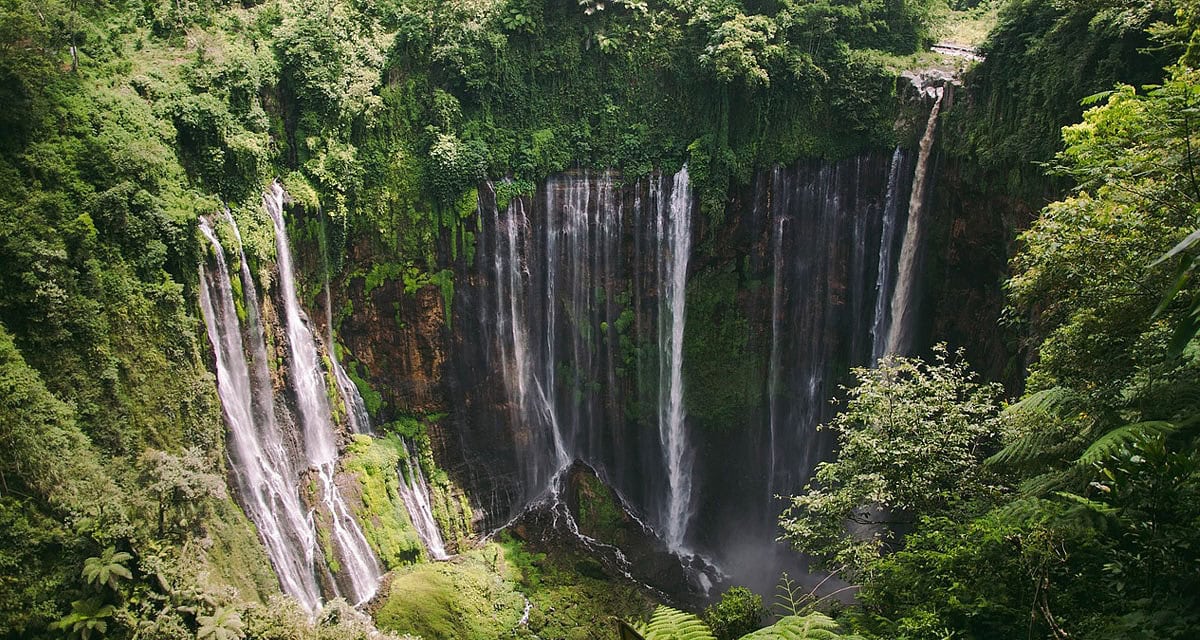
<point>644,320</point>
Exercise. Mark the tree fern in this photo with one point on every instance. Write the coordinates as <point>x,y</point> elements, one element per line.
<point>790,598</point>
<point>814,626</point>
<point>1119,439</point>
<point>672,624</point>
<point>626,631</point>
<point>1028,511</point>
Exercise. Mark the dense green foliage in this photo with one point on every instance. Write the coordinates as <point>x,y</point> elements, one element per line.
<point>738,612</point>
<point>1041,59</point>
<point>124,121</point>
<point>911,441</point>
<point>1085,527</point>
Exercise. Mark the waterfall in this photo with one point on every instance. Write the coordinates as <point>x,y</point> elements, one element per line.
<point>561,284</point>
<point>900,328</point>
<point>674,227</point>
<point>883,279</point>
<point>357,416</point>
<point>414,492</point>
<point>530,390</point>
<point>359,566</point>
<point>255,444</point>
<point>774,363</point>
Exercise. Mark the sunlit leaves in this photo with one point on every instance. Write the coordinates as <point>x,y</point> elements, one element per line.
<point>912,438</point>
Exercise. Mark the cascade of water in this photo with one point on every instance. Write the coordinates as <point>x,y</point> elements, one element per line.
<point>773,386</point>
<point>528,379</point>
<point>414,492</point>
<point>312,402</point>
<point>883,278</point>
<point>830,243</point>
<point>559,281</point>
<point>357,415</point>
<point>674,226</point>
<point>900,327</point>
<point>255,444</point>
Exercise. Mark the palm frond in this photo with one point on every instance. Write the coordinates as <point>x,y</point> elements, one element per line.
<point>1120,438</point>
<point>672,624</point>
<point>814,626</point>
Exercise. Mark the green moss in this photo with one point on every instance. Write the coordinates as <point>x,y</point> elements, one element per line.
<point>372,399</point>
<point>469,598</point>
<point>571,595</point>
<point>407,426</point>
<point>722,373</point>
<point>415,279</point>
<point>337,404</point>
<point>301,191</point>
<point>325,538</point>
<point>379,274</point>
<point>482,594</point>
<point>384,520</point>
<point>236,557</point>
<point>599,515</point>
<point>506,191</point>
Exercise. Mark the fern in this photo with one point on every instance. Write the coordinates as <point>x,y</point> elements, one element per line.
<point>1026,448</point>
<point>672,624</point>
<point>1027,512</point>
<point>790,599</point>
<point>1119,439</point>
<point>1045,431</point>
<point>814,626</point>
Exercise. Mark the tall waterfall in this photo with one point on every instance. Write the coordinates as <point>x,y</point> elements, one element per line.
<point>899,330</point>
<point>264,476</point>
<point>312,402</point>
<point>884,282</point>
<point>832,241</point>
<point>674,226</point>
<point>566,292</point>
<point>267,473</point>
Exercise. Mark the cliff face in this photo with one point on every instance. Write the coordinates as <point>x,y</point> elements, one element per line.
<point>553,351</point>
<point>401,339</point>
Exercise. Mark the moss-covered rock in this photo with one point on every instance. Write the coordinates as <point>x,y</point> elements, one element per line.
<point>472,596</point>
<point>385,523</point>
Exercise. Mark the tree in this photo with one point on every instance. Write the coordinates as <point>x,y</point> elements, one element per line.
<point>182,487</point>
<point>739,612</point>
<point>912,437</point>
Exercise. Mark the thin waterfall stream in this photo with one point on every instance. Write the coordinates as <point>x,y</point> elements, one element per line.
<point>674,225</point>
<point>358,561</point>
<point>899,336</point>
